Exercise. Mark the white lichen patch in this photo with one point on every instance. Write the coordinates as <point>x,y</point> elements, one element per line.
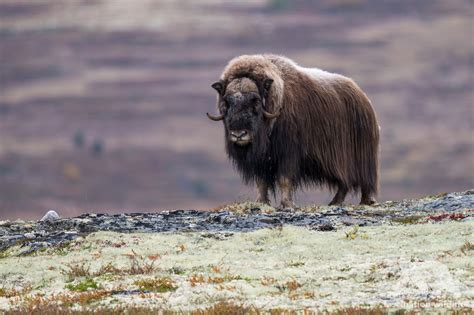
<point>285,268</point>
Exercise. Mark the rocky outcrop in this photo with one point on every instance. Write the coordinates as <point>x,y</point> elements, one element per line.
<point>34,235</point>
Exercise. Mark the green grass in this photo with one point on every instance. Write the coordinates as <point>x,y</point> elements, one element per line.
<point>84,285</point>
<point>159,285</point>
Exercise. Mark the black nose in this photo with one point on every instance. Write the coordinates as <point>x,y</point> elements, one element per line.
<point>238,133</point>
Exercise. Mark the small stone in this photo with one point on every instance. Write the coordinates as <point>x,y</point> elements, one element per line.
<point>352,221</point>
<point>324,227</point>
<point>29,235</point>
<point>255,210</point>
<point>269,220</point>
<point>228,220</point>
<point>50,216</point>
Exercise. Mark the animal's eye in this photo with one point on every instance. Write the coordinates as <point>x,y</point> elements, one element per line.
<point>253,98</point>
<point>227,100</point>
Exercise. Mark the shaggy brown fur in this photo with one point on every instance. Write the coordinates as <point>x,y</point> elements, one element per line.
<point>327,132</point>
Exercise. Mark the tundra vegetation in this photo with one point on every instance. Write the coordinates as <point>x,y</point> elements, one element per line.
<point>404,267</point>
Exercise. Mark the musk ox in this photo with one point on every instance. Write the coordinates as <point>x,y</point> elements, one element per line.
<point>287,126</point>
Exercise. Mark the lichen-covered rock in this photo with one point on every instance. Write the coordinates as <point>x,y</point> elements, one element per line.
<point>238,218</point>
<point>51,215</point>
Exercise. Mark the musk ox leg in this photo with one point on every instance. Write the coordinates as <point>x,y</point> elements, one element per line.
<point>340,196</point>
<point>367,197</point>
<point>286,188</point>
<point>262,192</point>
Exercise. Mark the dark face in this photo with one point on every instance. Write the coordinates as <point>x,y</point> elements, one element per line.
<point>241,104</point>
<point>243,118</point>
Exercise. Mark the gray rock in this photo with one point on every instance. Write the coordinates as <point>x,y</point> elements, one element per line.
<point>52,231</point>
<point>29,235</point>
<point>268,220</point>
<point>50,216</point>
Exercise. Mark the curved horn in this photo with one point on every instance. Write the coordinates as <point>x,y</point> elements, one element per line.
<point>270,115</point>
<point>265,113</point>
<point>215,118</point>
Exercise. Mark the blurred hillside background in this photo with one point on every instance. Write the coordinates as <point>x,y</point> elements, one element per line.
<point>102,103</point>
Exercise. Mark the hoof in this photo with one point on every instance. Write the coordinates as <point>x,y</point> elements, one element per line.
<point>264,201</point>
<point>368,202</point>
<point>288,205</point>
